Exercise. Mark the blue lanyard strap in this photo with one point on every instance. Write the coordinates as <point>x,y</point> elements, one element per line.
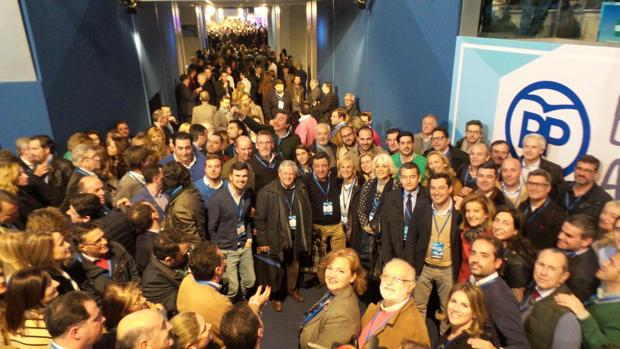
<point>535,213</point>
<point>208,283</point>
<point>567,201</point>
<point>312,313</point>
<point>439,231</point>
<point>372,322</point>
<point>291,203</point>
<point>267,165</point>
<point>318,184</point>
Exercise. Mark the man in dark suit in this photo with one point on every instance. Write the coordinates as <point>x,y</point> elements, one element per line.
<point>504,316</point>
<point>575,239</point>
<point>395,222</point>
<point>278,101</point>
<point>534,146</point>
<point>542,216</point>
<point>326,104</point>
<point>186,99</point>
<point>584,195</point>
<point>86,162</point>
<point>166,268</point>
<point>440,141</point>
<point>433,244</point>
<point>206,81</point>
<point>52,170</point>
<point>486,184</point>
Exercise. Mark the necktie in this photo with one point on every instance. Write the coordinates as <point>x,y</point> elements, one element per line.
<point>408,208</point>
<point>535,296</point>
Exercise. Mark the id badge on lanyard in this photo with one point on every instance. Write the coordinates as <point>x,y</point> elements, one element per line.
<point>328,208</point>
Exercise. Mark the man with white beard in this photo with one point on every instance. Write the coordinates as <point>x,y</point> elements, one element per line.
<point>396,318</point>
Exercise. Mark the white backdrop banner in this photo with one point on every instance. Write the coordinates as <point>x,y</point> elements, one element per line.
<point>570,94</point>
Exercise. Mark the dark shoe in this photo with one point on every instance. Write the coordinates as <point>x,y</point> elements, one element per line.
<point>277,306</point>
<point>296,296</point>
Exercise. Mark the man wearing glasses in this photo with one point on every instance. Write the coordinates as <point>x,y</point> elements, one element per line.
<point>100,261</point>
<point>473,134</point>
<point>396,318</point>
<point>543,217</point>
<point>440,141</point>
<point>583,195</point>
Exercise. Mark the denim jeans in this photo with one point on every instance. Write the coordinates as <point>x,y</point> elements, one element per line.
<point>239,270</point>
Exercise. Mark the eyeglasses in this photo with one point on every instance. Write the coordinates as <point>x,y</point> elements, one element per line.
<point>474,132</point>
<point>437,139</point>
<point>587,170</point>
<point>536,185</point>
<point>395,279</point>
<point>342,135</point>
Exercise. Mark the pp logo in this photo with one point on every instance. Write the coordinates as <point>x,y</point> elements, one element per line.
<point>555,112</point>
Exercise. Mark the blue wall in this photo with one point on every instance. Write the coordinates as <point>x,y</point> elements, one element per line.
<point>396,56</point>
<point>22,111</point>
<point>89,70</point>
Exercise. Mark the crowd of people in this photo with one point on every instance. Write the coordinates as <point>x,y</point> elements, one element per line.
<point>236,30</point>
<point>178,235</point>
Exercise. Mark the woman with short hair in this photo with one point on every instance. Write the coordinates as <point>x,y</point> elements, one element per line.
<point>191,331</point>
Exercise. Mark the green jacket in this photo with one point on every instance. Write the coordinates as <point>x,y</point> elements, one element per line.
<point>417,159</point>
<point>602,327</point>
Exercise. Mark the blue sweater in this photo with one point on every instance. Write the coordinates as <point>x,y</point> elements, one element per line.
<point>223,215</point>
<point>207,191</point>
<point>197,170</point>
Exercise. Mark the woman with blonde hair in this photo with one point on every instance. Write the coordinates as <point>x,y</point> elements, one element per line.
<point>13,179</point>
<point>608,243</point>
<point>366,229</point>
<point>74,140</point>
<point>352,182</point>
<point>437,162</point>
<point>345,278</point>
<point>235,98</point>
<point>467,313</point>
<point>156,141</point>
<point>48,219</point>
<point>479,212</point>
<point>50,250</point>
<point>366,166</point>
<point>191,331</point>
<point>11,251</point>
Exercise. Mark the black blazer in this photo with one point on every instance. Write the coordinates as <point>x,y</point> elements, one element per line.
<point>186,99</point>
<point>419,237</point>
<point>392,222</point>
<point>582,280</point>
<point>543,226</point>
<point>557,175</point>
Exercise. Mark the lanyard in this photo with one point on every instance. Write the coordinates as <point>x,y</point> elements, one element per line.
<point>468,177</point>
<point>312,313</point>
<point>291,203</point>
<point>269,166</point>
<point>174,191</point>
<point>439,231</point>
<point>82,172</point>
<point>346,198</point>
<point>535,213</point>
<point>567,203</point>
<point>288,132</point>
<point>372,322</point>
<point>326,193</point>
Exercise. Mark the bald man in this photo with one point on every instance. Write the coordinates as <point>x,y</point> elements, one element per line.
<point>511,185</point>
<point>323,144</point>
<point>397,310</point>
<point>143,329</point>
<point>244,150</point>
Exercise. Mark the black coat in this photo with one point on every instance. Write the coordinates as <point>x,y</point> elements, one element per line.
<point>542,226</point>
<point>590,203</point>
<point>144,248</point>
<point>582,280</point>
<point>186,100</point>
<point>37,189</point>
<point>327,104</point>
<point>94,279</point>
<point>72,188</point>
<point>557,174</point>
<point>160,284</point>
<point>419,237</point>
<point>271,219</point>
<point>392,223</point>
<point>272,108</point>
<point>118,228</point>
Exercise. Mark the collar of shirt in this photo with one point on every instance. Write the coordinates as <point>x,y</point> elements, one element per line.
<point>233,193</point>
<point>304,117</point>
<point>187,167</point>
<point>515,192</point>
<point>485,280</point>
<point>601,295</point>
<point>138,176</point>
<point>214,187</point>
<point>394,307</point>
<point>285,188</point>
<point>214,284</point>
<point>545,293</point>
<point>532,166</point>
<point>90,173</point>
<point>28,163</point>
<point>446,151</point>
<point>444,212</point>
<point>90,259</point>
<point>413,193</point>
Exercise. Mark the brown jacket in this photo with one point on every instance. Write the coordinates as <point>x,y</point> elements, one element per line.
<point>336,323</point>
<point>206,301</point>
<point>185,212</point>
<point>406,324</point>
